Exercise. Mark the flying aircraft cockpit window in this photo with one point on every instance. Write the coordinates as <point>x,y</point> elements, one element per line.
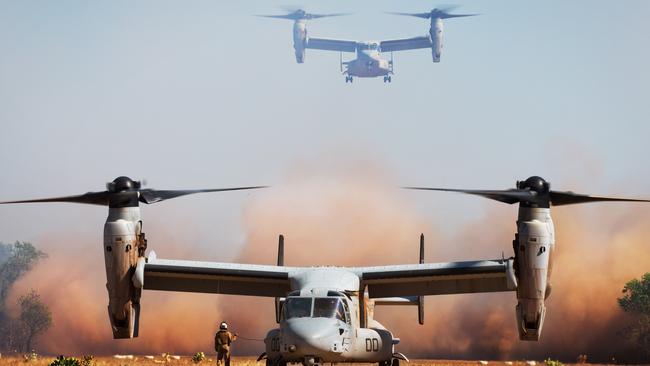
<point>329,307</point>
<point>297,307</point>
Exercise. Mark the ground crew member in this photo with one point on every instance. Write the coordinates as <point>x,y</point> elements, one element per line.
<point>222,341</point>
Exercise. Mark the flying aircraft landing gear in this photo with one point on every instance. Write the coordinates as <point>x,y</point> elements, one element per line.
<point>348,79</point>
<point>387,79</point>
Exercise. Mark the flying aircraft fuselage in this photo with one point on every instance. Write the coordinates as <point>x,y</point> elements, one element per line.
<point>368,63</point>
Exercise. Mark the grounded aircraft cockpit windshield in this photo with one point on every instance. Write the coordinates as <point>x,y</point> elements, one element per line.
<point>319,307</point>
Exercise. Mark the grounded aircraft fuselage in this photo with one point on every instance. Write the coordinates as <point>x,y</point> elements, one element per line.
<point>325,324</point>
<point>322,325</point>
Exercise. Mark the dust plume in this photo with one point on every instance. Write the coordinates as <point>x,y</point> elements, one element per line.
<point>349,216</point>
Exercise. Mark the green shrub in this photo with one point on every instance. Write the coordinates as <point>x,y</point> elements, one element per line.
<point>32,356</point>
<point>550,362</point>
<point>65,361</point>
<point>88,360</point>
<point>198,357</point>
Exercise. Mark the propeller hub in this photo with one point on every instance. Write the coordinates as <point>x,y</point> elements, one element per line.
<point>536,184</point>
<point>121,184</point>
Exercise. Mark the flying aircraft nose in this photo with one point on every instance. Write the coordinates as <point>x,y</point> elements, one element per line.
<point>313,335</point>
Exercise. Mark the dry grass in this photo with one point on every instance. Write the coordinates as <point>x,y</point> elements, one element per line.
<point>237,361</point>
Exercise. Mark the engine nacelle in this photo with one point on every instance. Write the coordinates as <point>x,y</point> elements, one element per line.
<point>436,38</point>
<point>533,246</point>
<point>124,243</point>
<point>299,40</point>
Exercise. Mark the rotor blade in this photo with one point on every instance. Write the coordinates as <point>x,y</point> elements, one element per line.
<point>447,16</point>
<point>149,196</point>
<point>289,16</point>
<point>509,196</point>
<point>569,198</point>
<point>447,7</point>
<point>419,15</point>
<point>316,16</point>
<point>92,198</point>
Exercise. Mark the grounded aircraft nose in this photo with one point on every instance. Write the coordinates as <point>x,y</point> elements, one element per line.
<point>312,334</point>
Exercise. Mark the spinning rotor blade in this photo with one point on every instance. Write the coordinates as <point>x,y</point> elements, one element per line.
<point>300,14</point>
<point>509,196</point>
<point>447,16</point>
<point>277,16</point>
<point>441,12</point>
<point>534,191</point>
<point>569,198</point>
<point>92,198</point>
<point>149,196</point>
<point>316,16</point>
<point>125,192</point>
<point>419,15</point>
<point>446,7</point>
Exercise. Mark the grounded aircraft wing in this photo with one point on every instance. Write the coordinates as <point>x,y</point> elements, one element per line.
<point>405,44</point>
<point>439,278</point>
<point>210,277</point>
<point>331,44</point>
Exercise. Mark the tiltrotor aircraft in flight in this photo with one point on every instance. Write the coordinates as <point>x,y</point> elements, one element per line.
<point>326,314</point>
<point>368,62</point>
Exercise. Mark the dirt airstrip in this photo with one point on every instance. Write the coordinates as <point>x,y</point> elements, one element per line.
<point>238,361</point>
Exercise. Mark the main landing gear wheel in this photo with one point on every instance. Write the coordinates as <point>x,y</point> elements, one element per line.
<point>394,362</point>
<point>348,79</point>
<point>276,362</point>
<point>388,79</point>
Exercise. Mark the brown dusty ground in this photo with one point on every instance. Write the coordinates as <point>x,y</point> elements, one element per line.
<point>237,361</point>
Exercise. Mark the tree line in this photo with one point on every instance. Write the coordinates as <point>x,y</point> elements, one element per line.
<point>18,333</point>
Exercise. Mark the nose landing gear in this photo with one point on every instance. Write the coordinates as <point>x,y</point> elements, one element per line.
<point>393,362</point>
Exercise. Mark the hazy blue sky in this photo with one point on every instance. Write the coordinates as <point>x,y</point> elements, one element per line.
<point>195,94</point>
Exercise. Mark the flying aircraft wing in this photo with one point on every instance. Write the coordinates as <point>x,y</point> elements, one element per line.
<point>331,44</point>
<point>405,44</point>
<point>211,277</point>
<point>439,278</point>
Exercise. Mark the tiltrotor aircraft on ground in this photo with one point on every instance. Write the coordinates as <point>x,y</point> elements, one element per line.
<point>368,62</point>
<point>325,314</point>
